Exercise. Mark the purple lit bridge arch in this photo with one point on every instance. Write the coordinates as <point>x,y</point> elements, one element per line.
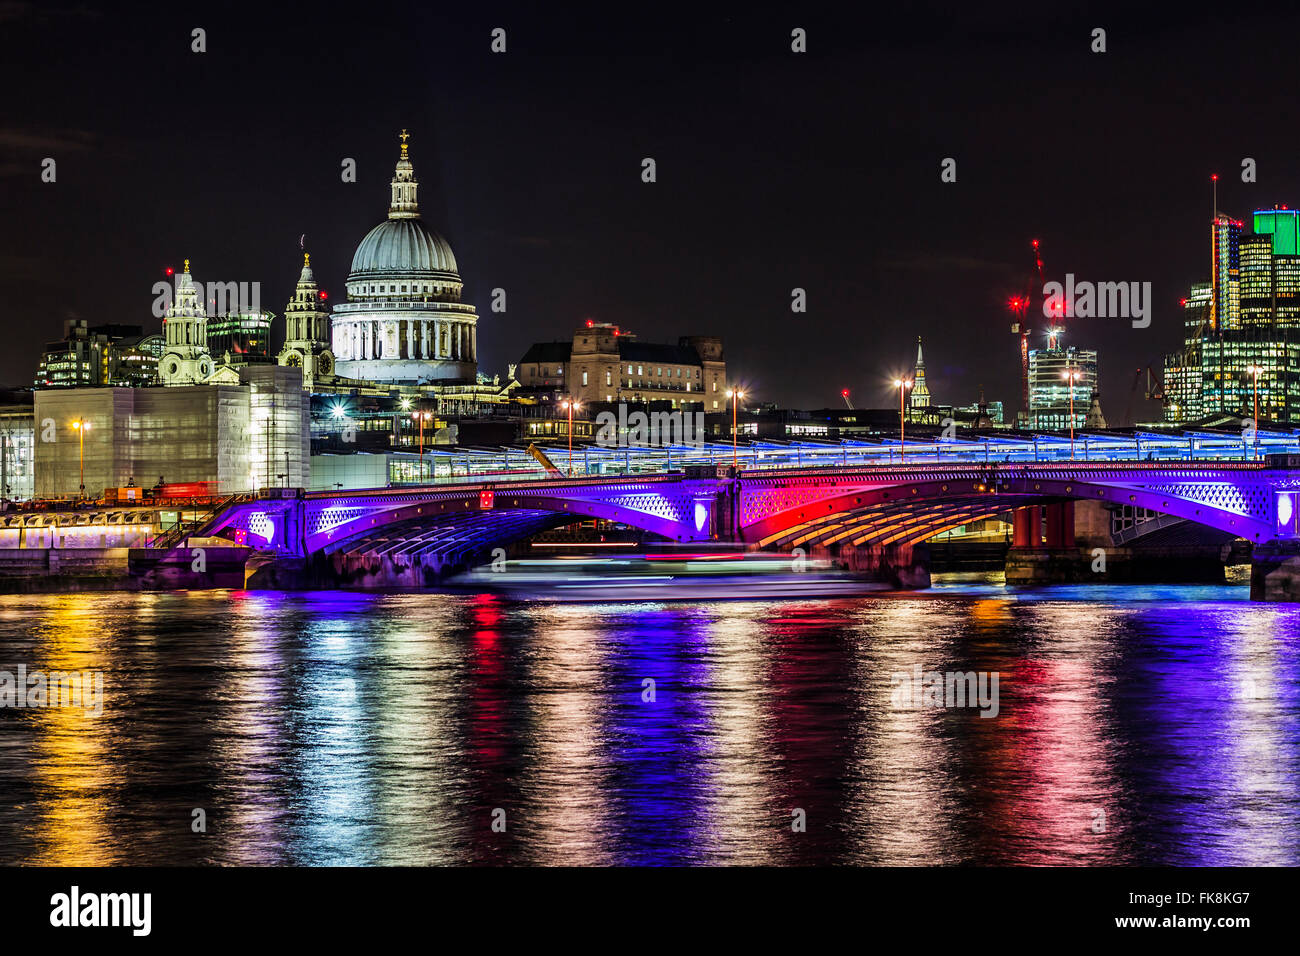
<point>453,525</point>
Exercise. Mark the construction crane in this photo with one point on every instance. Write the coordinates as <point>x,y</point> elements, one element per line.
<point>845,395</point>
<point>1155,391</point>
<point>1020,307</point>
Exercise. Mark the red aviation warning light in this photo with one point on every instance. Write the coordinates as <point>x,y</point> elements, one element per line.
<point>169,270</point>
<point>324,295</point>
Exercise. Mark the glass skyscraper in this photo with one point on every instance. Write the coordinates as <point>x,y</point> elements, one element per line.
<point>1049,386</point>
<point>1254,324</point>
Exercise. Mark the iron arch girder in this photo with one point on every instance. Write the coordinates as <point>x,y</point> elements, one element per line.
<point>453,540</point>
<point>838,525</point>
<point>912,526</point>
<point>1022,489</point>
<point>1140,496</point>
<point>955,488</point>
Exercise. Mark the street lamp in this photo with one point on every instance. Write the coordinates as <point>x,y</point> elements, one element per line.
<point>1072,376</point>
<point>570,404</point>
<point>902,384</point>
<point>82,426</point>
<point>735,395</point>
<point>1254,371</point>
<point>422,417</point>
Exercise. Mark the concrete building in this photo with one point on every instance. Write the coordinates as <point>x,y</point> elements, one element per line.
<point>404,321</point>
<point>99,355</point>
<point>603,363</point>
<point>241,437</point>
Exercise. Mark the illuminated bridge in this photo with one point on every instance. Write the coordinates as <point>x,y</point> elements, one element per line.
<point>441,527</point>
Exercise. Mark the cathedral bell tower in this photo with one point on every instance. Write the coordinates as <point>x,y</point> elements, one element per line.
<point>185,359</point>
<point>307,331</point>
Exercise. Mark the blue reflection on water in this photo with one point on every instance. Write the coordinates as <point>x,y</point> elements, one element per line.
<point>655,732</point>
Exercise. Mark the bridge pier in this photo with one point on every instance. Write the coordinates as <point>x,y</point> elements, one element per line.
<point>1033,560</point>
<point>1027,527</point>
<point>1060,524</point>
<point>1275,571</point>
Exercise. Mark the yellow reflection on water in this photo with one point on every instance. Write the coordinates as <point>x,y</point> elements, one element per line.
<point>74,777</point>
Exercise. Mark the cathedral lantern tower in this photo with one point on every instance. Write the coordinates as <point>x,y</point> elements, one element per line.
<point>307,331</point>
<point>185,359</point>
<point>404,321</point>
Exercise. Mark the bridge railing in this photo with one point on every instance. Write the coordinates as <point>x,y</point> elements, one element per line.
<point>450,467</point>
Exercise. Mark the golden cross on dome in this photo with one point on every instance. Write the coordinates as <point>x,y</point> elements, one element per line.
<point>187,265</point>
<point>306,260</point>
<point>405,135</point>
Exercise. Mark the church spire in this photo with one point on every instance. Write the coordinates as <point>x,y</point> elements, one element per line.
<point>920,391</point>
<point>403,204</point>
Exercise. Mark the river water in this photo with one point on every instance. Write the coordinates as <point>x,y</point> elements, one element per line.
<point>1134,725</point>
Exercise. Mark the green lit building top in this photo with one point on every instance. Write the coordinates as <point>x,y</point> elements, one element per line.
<point>1248,348</point>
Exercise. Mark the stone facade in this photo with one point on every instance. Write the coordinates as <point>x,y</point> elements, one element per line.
<point>605,364</point>
<point>404,321</point>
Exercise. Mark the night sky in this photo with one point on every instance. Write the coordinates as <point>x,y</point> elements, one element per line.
<point>775,170</point>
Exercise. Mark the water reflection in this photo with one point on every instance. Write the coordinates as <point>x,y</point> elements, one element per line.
<point>73,774</point>
<point>335,728</point>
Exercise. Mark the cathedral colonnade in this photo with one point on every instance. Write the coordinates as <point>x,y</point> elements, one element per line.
<point>362,340</point>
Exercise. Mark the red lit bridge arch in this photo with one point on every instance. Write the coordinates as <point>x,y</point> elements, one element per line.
<point>875,506</point>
